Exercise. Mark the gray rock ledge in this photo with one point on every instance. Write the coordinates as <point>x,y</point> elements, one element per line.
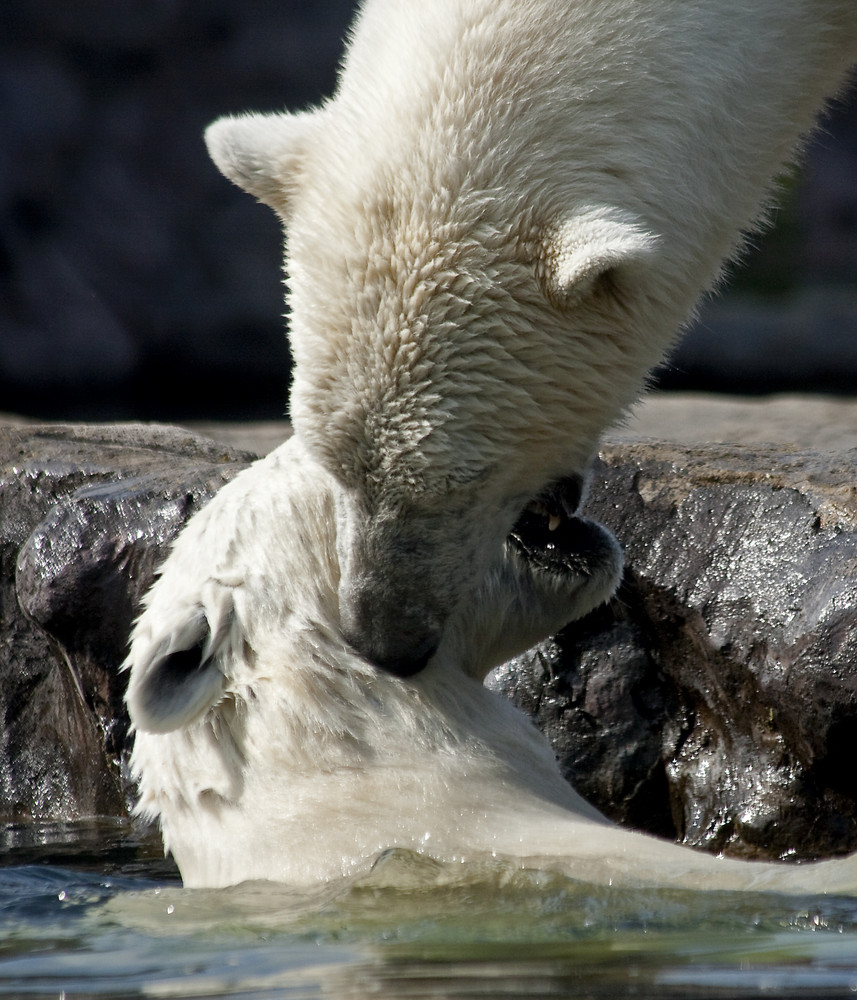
<point>86,513</point>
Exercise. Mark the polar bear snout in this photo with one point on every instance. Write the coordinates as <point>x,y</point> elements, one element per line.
<point>396,582</point>
<point>413,584</point>
<point>388,616</point>
<point>402,647</point>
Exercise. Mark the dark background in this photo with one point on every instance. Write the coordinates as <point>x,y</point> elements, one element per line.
<point>135,282</point>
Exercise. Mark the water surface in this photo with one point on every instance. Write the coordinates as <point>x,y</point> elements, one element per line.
<point>93,910</point>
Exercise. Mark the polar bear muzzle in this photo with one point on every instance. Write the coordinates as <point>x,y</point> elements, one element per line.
<point>397,636</point>
<point>404,586</point>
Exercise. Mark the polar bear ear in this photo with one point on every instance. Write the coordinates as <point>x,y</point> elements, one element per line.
<point>177,672</point>
<point>262,153</point>
<point>589,246</point>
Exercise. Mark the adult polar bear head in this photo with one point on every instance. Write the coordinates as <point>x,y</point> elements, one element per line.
<point>494,230</point>
<point>435,377</point>
<point>455,354</point>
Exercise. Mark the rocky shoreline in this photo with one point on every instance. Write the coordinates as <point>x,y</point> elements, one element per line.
<point>714,701</point>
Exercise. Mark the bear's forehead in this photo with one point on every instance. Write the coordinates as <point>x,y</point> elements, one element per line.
<point>426,352</point>
<point>422,365</point>
<point>430,424</point>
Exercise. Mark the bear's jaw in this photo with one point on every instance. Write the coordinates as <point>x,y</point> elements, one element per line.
<point>489,600</point>
<point>551,538</point>
<point>552,511</point>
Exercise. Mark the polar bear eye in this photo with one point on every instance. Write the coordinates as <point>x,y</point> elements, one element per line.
<point>467,475</point>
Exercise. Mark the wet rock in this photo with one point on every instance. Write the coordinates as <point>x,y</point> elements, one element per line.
<point>85,515</point>
<point>715,699</point>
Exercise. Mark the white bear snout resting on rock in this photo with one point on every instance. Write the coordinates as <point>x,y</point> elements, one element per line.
<point>494,230</point>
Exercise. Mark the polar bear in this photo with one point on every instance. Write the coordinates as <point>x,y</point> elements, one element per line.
<point>268,749</point>
<point>494,230</point>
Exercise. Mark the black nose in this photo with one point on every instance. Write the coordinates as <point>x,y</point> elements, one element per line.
<point>402,653</point>
<point>407,662</point>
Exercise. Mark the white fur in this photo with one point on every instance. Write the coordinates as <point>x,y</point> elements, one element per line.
<point>495,229</point>
<point>276,752</point>
<point>306,762</point>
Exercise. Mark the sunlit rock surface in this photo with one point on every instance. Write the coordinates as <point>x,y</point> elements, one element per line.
<point>714,700</point>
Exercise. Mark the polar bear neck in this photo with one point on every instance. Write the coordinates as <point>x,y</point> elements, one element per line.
<point>376,773</point>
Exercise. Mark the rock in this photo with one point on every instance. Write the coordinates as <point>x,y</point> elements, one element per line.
<point>715,700</point>
<point>85,515</point>
<point>797,422</point>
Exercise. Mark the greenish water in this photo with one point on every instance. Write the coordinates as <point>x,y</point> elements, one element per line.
<point>93,911</point>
